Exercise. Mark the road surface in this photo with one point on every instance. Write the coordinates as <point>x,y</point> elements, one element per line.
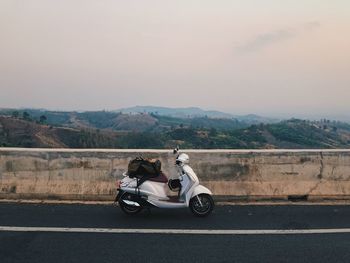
<point>102,233</point>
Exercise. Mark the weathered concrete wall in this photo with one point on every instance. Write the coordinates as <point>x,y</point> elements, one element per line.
<point>91,174</point>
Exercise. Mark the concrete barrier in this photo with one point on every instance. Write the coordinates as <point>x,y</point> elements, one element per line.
<point>73,174</point>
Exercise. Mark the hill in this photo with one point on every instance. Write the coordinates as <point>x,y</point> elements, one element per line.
<point>118,121</point>
<point>195,112</point>
<point>164,132</point>
<point>16,132</point>
<point>189,112</point>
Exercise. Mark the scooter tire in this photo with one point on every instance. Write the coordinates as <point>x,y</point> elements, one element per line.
<point>198,210</point>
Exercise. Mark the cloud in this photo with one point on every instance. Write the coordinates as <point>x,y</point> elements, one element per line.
<point>266,39</point>
<point>312,25</point>
<point>263,40</point>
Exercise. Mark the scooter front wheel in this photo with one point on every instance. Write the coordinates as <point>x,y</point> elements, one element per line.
<point>201,205</point>
<point>128,209</point>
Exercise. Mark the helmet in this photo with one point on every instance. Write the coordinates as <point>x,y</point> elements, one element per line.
<point>182,159</point>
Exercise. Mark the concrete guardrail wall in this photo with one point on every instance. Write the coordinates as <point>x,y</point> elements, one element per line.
<point>231,174</point>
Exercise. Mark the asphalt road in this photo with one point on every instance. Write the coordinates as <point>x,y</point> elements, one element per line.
<point>61,246</point>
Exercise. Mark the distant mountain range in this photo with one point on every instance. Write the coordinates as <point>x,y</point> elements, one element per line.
<point>195,112</point>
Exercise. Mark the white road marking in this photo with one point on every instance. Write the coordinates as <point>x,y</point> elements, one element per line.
<point>176,231</point>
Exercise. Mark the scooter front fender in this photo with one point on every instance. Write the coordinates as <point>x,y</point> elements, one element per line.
<point>200,189</point>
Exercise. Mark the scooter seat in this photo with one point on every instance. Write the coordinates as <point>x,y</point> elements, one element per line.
<point>161,178</point>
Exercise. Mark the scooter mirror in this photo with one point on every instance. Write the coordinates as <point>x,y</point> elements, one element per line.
<point>176,150</point>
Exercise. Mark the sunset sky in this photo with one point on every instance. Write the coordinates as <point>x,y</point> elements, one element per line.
<point>271,57</point>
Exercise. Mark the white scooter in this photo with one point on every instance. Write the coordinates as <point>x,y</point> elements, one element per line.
<point>132,198</point>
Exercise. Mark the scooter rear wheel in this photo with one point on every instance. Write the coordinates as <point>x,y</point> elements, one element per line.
<point>202,207</point>
<point>128,209</point>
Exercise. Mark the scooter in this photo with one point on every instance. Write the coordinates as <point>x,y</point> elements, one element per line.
<point>132,197</point>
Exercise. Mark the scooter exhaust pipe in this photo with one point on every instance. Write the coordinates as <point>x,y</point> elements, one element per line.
<point>131,203</point>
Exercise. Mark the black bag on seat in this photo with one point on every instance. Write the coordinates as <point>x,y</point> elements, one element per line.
<point>144,169</point>
<point>140,167</point>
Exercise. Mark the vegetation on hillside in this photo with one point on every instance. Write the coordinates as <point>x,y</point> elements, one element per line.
<point>117,130</point>
<point>117,121</point>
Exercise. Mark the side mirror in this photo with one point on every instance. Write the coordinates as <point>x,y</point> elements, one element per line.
<point>176,150</point>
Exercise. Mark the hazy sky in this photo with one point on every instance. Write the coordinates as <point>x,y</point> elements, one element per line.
<point>267,57</point>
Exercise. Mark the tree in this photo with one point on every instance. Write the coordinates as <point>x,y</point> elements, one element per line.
<point>26,116</point>
<point>15,114</point>
<point>43,119</point>
<point>213,132</point>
